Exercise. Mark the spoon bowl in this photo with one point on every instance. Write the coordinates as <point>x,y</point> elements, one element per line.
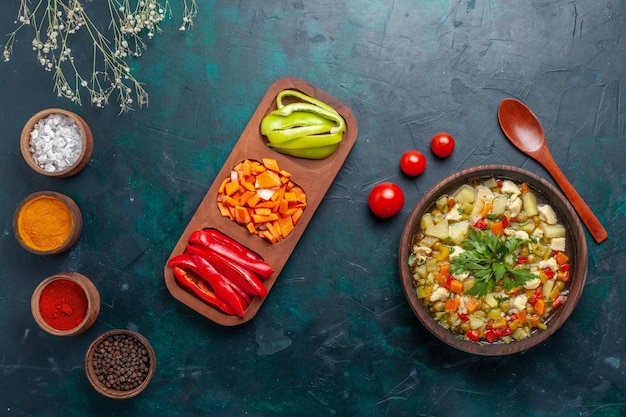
<point>523,129</point>
<point>525,132</point>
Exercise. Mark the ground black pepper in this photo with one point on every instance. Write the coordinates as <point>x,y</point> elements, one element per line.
<point>121,362</point>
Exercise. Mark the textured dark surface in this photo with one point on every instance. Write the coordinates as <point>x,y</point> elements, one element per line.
<point>335,336</point>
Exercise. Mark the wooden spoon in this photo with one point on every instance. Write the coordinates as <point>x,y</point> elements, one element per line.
<point>523,129</point>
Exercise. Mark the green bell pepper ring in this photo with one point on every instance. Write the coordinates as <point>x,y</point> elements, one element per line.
<point>309,141</point>
<point>317,152</point>
<point>286,135</point>
<point>305,127</point>
<point>306,107</point>
<point>295,119</point>
<point>303,97</point>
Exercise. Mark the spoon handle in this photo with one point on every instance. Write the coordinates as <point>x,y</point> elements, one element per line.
<point>591,221</point>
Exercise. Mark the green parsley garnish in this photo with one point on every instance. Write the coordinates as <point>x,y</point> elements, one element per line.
<point>487,258</point>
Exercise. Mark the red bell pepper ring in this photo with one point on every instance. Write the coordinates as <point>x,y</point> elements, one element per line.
<point>505,221</point>
<point>232,271</point>
<point>201,290</point>
<point>464,317</point>
<point>231,249</point>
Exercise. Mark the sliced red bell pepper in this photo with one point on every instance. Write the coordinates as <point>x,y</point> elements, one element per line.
<point>228,241</point>
<point>220,285</point>
<point>244,257</point>
<point>490,335</point>
<point>201,291</point>
<point>558,302</point>
<point>536,295</point>
<point>184,261</point>
<point>472,335</point>
<point>480,224</point>
<point>234,272</point>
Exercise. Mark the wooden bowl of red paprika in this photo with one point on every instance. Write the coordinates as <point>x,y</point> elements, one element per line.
<point>47,223</point>
<point>65,304</point>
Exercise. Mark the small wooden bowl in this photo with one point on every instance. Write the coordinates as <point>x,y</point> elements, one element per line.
<point>87,141</point>
<point>73,235</point>
<point>576,244</point>
<point>91,363</point>
<point>91,295</point>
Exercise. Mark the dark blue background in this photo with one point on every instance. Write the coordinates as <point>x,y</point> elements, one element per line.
<point>335,336</point>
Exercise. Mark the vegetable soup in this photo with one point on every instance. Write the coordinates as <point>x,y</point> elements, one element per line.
<point>490,261</point>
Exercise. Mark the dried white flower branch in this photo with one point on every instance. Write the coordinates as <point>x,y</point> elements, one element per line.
<point>57,22</point>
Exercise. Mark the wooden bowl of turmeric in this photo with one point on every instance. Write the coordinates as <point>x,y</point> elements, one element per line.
<point>47,223</point>
<point>56,143</point>
<point>65,304</point>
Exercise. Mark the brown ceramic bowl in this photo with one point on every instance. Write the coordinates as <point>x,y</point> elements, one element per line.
<point>59,306</point>
<point>86,136</point>
<point>575,241</point>
<point>26,231</point>
<point>93,364</point>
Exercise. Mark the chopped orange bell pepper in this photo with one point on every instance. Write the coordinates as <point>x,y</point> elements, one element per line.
<point>272,215</point>
<point>456,286</point>
<point>452,304</point>
<point>561,258</point>
<point>497,228</point>
<point>471,304</point>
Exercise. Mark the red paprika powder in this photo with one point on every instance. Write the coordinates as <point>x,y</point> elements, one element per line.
<point>63,304</point>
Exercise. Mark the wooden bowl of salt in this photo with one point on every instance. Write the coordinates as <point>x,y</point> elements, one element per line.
<point>56,143</point>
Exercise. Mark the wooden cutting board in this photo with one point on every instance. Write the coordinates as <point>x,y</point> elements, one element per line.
<point>314,176</point>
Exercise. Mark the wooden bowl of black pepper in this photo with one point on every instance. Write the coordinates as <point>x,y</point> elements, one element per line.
<point>120,363</point>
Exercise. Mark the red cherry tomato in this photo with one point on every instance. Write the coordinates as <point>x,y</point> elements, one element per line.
<point>413,163</point>
<point>386,199</point>
<point>442,144</point>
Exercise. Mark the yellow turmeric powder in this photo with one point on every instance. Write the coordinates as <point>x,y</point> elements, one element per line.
<point>44,223</point>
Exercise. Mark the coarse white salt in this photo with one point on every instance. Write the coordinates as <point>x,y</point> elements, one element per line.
<point>56,142</point>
